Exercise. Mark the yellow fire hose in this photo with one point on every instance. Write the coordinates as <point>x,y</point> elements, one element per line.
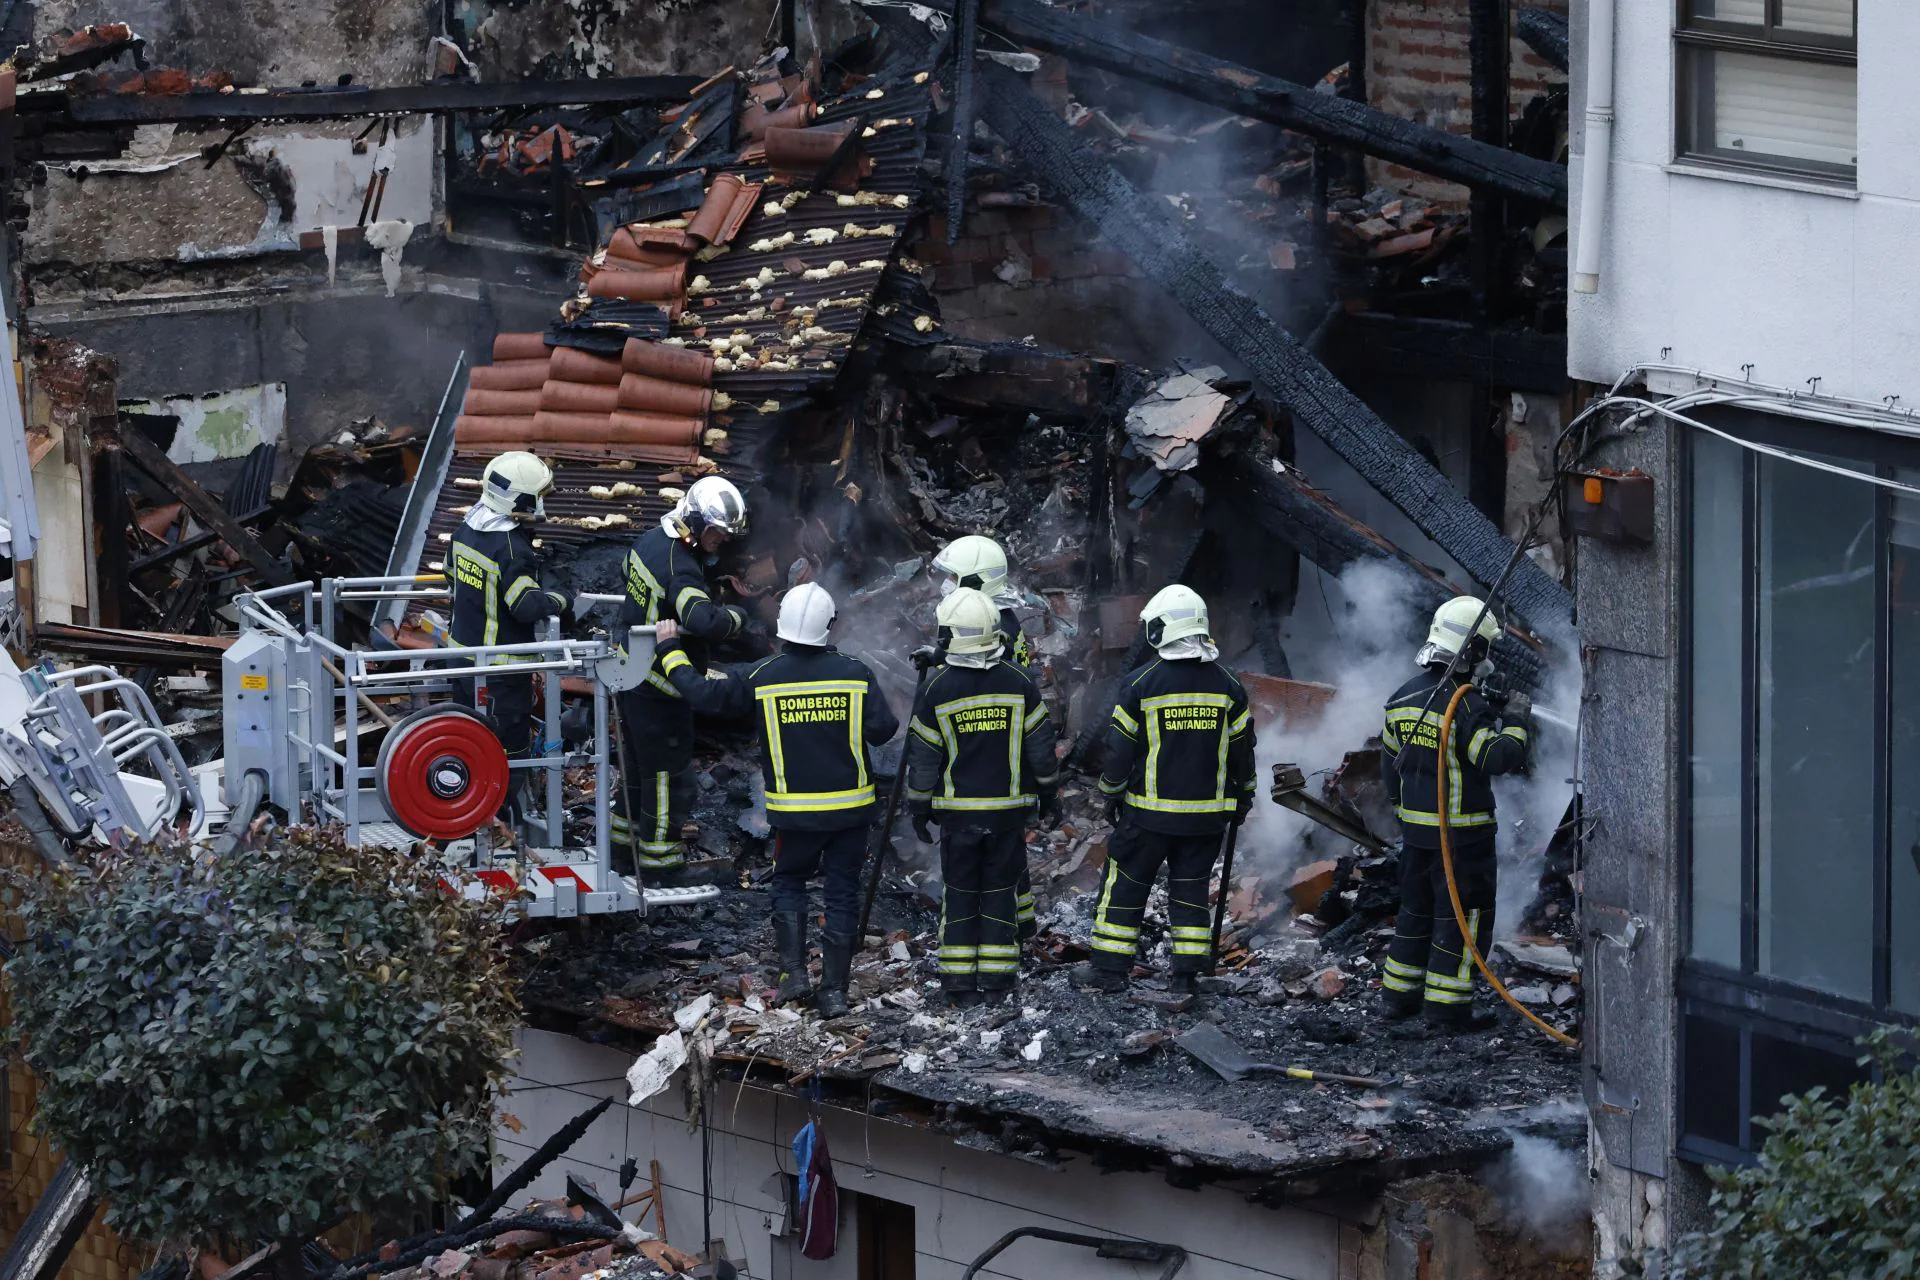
<point>1453,888</point>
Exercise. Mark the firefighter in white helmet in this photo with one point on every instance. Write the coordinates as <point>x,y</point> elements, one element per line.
<point>1179,769</point>
<point>978,562</point>
<point>666,580</point>
<point>497,596</point>
<point>820,713</point>
<point>1427,965</point>
<point>979,756</point>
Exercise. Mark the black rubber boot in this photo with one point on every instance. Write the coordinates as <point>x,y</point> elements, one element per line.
<point>836,960</point>
<point>1182,984</point>
<point>1400,1004</point>
<point>679,876</point>
<point>1460,1018</point>
<point>1091,977</point>
<point>790,941</point>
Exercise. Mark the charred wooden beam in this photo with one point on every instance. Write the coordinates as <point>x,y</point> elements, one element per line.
<point>1261,97</point>
<point>1140,228</point>
<point>1488,51</point>
<point>960,143</point>
<point>1284,505</point>
<point>1546,34</point>
<point>206,508</point>
<point>334,103</point>
<point>1447,350</point>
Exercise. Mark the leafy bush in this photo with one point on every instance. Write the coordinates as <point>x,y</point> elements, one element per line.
<point>240,1048</point>
<point>1836,1192</point>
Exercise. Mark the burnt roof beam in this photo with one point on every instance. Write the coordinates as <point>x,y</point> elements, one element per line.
<point>1140,228</point>
<point>1262,97</point>
<point>332,103</point>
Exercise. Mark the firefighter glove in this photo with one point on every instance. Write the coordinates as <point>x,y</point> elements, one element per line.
<point>1497,689</point>
<point>1050,810</point>
<point>922,818</point>
<point>926,656</point>
<point>1242,809</point>
<point>1115,807</point>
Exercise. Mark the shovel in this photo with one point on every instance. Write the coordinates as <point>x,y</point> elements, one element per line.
<point>1213,1048</point>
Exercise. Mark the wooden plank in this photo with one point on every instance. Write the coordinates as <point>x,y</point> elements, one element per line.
<point>1235,88</point>
<point>206,508</point>
<point>1141,228</point>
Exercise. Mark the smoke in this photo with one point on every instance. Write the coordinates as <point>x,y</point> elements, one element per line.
<point>1543,1188</point>
<point>1358,633</point>
<point>1364,652</point>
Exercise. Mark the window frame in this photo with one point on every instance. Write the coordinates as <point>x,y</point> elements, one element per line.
<point>1746,998</point>
<point>1696,39</point>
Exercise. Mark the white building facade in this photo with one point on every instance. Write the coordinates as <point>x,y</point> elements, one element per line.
<point>1752,727</point>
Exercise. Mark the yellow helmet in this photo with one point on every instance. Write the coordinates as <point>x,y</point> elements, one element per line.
<point>969,622</point>
<point>974,561</point>
<point>1174,613</point>
<point>1454,629</point>
<point>514,484</point>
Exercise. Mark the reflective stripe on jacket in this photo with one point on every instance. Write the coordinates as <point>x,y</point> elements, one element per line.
<point>980,746</point>
<point>664,580</point>
<point>496,588</point>
<point>1180,746</point>
<point>1479,747</point>
<point>819,711</point>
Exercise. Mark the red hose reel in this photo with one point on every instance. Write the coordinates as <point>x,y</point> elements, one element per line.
<point>441,773</point>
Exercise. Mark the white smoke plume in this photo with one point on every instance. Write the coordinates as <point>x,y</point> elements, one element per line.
<point>1543,1188</point>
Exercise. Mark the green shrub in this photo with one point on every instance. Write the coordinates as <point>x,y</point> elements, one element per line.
<point>1835,1194</point>
<point>243,1048</point>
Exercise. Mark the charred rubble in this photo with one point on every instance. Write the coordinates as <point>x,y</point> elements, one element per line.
<point>867,435</point>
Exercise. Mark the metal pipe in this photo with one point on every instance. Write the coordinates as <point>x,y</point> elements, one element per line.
<point>1596,163</point>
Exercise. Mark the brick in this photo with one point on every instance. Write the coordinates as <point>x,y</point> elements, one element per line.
<point>1037,218</point>
<point>987,222</point>
<point>977,249</point>
<point>955,275</point>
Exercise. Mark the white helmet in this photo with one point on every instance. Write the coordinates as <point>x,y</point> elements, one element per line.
<point>1175,613</point>
<point>805,615</point>
<point>969,623</point>
<point>710,502</point>
<point>1454,629</point>
<point>974,561</point>
<point>514,483</point>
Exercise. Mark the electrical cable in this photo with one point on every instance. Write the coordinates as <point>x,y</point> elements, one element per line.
<point>1453,887</point>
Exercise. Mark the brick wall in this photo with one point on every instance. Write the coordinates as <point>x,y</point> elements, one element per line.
<point>1419,67</point>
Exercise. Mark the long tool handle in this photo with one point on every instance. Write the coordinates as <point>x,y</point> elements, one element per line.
<point>1227,843</point>
<point>1303,1073</point>
<point>885,841</point>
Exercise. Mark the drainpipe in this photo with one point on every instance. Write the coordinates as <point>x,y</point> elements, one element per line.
<point>1596,163</point>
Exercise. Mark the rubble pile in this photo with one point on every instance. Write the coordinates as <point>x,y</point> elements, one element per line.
<point>582,1237</point>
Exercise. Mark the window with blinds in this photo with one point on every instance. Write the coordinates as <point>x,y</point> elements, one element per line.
<point>1769,84</point>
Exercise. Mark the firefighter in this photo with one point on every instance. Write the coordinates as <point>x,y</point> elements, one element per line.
<point>1426,964</point>
<point>666,582</point>
<point>497,596</point>
<point>1179,770</point>
<point>978,562</point>
<point>820,711</point>
<point>980,753</point>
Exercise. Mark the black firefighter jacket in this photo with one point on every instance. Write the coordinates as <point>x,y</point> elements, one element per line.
<point>665,580</point>
<point>819,712</point>
<point>1478,747</point>
<point>496,589</point>
<point>1180,747</point>
<point>980,747</point>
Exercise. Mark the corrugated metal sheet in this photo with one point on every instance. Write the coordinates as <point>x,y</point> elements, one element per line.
<point>781,309</point>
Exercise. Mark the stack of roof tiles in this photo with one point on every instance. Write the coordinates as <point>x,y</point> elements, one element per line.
<point>766,276</point>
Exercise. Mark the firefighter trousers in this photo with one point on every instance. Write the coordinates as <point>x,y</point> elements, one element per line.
<point>979,912</point>
<point>658,792</point>
<point>1426,960</point>
<point>1134,858</point>
<point>510,709</point>
<point>798,856</point>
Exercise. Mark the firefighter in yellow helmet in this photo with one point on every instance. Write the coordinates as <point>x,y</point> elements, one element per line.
<point>1179,769</point>
<point>980,754</point>
<point>1427,965</point>
<point>978,562</point>
<point>497,596</point>
<point>666,580</point>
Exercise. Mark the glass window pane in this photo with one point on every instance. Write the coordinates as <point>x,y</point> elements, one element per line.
<point>1718,506</point>
<point>1753,11</point>
<point>1781,108</point>
<point>1816,764</point>
<point>1816,17</point>
<point>1903,746</point>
